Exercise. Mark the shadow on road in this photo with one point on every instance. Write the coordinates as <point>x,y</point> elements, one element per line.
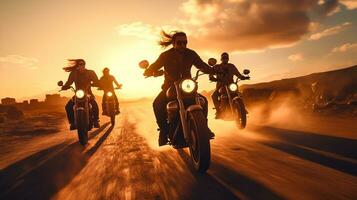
<point>212,186</point>
<point>334,163</point>
<point>42,174</point>
<point>301,144</point>
<point>337,145</point>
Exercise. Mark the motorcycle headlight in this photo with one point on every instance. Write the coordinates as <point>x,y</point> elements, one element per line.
<point>233,87</point>
<point>80,94</point>
<point>109,94</point>
<point>188,85</point>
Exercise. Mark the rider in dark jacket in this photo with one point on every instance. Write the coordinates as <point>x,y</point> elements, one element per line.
<point>224,77</point>
<point>177,63</point>
<point>83,79</point>
<point>106,83</point>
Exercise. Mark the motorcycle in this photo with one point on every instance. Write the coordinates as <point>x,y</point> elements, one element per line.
<point>231,105</point>
<point>110,105</point>
<point>82,113</point>
<point>187,123</point>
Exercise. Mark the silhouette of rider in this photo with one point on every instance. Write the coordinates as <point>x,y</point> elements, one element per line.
<point>83,79</point>
<point>106,83</point>
<point>224,77</point>
<point>177,63</point>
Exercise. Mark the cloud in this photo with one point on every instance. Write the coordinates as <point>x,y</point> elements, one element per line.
<point>141,30</point>
<point>19,61</point>
<point>350,4</point>
<point>240,25</point>
<point>327,7</point>
<point>330,31</point>
<point>296,57</point>
<point>344,47</point>
<point>138,29</point>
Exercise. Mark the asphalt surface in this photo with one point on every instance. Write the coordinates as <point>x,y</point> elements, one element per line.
<point>124,162</point>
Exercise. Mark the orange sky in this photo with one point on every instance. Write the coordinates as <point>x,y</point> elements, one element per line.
<point>273,39</point>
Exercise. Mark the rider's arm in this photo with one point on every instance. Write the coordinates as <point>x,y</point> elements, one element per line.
<point>116,82</point>
<point>69,82</point>
<point>212,77</point>
<point>155,66</point>
<point>237,73</point>
<point>94,79</point>
<point>204,67</point>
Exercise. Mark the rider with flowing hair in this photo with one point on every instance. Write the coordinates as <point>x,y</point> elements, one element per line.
<point>177,63</point>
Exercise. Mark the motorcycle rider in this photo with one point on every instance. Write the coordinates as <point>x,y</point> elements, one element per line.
<point>224,77</point>
<point>177,63</point>
<point>106,83</point>
<point>83,79</point>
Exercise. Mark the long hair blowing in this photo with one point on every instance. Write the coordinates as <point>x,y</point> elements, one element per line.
<point>169,38</point>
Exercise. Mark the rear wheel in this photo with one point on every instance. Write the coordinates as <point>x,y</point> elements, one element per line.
<point>82,128</point>
<point>200,149</point>
<point>240,114</point>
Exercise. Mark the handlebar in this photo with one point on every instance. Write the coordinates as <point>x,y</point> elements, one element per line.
<point>198,75</point>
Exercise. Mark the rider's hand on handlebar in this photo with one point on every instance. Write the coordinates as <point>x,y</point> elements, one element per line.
<point>65,87</point>
<point>147,73</point>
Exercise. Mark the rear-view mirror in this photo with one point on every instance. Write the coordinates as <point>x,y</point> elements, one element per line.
<point>246,71</point>
<point>144,64</point>
<point>212,61</point>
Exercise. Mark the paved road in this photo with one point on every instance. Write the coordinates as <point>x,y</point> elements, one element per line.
<point>124,162</point>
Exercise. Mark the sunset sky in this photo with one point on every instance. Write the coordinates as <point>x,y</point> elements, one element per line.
<point>273,38</point>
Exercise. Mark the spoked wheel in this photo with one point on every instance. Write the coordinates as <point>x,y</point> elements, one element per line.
<point>241,114</point>
<point>82,128</point>
<point>200,149</point>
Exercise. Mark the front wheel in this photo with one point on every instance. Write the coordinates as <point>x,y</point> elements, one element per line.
<point>82,127</point>
<point>199,143</point>
<point>240,114</point>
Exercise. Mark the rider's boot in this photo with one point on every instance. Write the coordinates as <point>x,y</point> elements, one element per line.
<point>163,135</point>
<point>72,127</point>
<point>211,135</point>
<point>96,124</point>
<point>217,114</point>
<point>117,110</point>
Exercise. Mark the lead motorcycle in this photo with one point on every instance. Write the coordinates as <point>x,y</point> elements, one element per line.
<point>231,105</point>
<point>187,123</point>
<point>83,115</point>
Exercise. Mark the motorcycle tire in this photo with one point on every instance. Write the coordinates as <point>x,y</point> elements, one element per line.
<point>199,144</point>
<point>241,114</point>
<point>82,128</point>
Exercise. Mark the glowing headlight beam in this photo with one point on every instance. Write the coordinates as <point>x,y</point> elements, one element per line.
<point>233,87</point>
<point>80,94</point>
<point>109,94</point>
<point>188,85</point>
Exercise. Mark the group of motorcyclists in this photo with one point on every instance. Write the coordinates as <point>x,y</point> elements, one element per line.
<point>176,62</point>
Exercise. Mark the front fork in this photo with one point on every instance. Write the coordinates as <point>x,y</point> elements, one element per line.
<point>230,99</point>
<point>77,108</point>
<point>184,113</point>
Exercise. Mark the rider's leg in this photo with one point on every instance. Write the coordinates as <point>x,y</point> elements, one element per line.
<point>215,96</point>
<point>205,111</point>
<point>95,112</point>
<point>104,109</point>
<point>159,106</point>
<point>70,114</point>
<point>117,110</point>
